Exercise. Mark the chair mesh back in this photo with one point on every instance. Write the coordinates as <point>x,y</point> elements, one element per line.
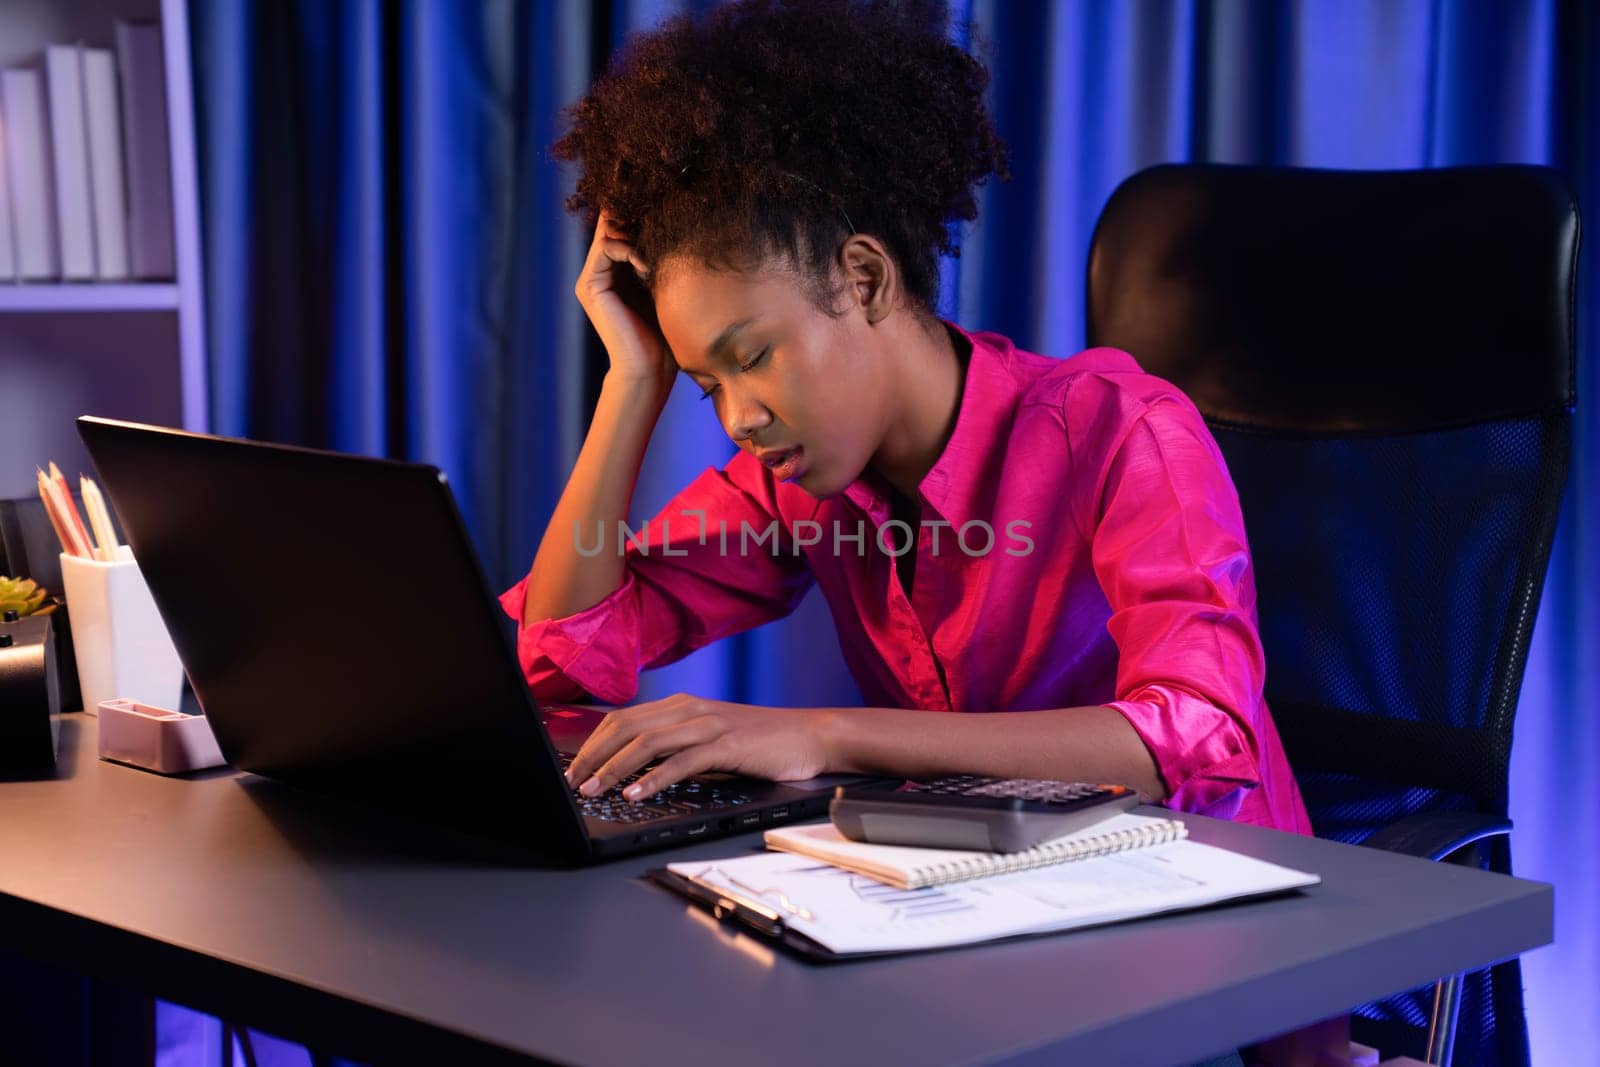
<point>1385,360</point>
<point>1396,587</point>
<point>1396,579</point>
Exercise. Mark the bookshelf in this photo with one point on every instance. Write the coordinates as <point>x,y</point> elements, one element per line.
<point>157,296</point>
<point>126,350</point>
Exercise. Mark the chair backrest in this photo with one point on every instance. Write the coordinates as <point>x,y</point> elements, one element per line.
<point>1386,361</point>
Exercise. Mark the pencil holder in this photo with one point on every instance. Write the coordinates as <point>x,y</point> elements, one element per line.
<point>121,644</point>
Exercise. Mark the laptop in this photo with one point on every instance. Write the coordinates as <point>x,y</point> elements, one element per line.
<point>340,635</point>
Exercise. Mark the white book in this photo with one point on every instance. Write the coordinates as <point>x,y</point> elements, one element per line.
<point>28,168</point>
<point>69,142</point>
<point>106,190</point>
<point>8,240</point>
<point>908,867</point>
<point>827,911</point>
<point>144,121</point>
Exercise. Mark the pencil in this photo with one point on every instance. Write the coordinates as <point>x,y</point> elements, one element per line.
<point>49,492</point>
<point>72,509</point>
<point>55,523</point>
<point>105,534</point>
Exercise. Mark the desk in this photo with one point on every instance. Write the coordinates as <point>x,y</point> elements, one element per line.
<point>367,939</point>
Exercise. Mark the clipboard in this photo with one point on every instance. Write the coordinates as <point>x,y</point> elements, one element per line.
<point>1191,877</point>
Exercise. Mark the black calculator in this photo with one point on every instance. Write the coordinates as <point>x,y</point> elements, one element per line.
<point>967,811</point>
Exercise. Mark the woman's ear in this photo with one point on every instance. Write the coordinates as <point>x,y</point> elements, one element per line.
<point>870,275</point>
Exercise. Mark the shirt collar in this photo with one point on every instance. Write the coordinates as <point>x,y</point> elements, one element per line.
<point>953,486</point>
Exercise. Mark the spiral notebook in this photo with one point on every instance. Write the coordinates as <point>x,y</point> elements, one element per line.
<point>913,868</point>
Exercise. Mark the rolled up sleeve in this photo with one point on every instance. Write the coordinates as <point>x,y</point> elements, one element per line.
<point>1170,553</point>
<point>691,579</point>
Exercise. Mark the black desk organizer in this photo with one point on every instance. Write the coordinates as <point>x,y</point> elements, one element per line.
<point>29,549</point>
<point>30,696</point>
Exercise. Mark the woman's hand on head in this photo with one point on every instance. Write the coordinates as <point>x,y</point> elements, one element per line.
<point>689,735</point>
<point>612,290</point>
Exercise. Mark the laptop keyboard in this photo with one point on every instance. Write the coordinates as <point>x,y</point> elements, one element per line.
<point>691,797</point>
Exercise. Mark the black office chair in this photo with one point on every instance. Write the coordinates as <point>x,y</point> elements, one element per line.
<point>1386,361</point>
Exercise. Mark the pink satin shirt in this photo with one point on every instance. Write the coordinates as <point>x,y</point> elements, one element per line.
<point>1080,543</point>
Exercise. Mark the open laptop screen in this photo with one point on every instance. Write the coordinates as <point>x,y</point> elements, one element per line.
<point>335,624</point>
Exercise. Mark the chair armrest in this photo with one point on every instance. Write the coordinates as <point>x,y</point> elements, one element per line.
<point>1435,835</point>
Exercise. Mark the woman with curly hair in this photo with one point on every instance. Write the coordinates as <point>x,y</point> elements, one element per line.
<point>1053,543</point>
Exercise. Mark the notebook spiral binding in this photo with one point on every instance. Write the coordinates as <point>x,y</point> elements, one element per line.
<point>1049,854</point>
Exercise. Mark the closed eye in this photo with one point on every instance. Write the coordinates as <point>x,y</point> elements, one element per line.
<point>759,356</point>
<point>706,394</point>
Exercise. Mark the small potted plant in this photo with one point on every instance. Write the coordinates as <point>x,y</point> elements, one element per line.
<point>25,597</point>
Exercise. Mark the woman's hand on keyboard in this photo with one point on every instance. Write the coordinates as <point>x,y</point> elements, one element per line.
<point>689,735</point>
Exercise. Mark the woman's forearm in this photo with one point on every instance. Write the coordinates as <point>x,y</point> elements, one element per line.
<point>564,580</point>
<point>1086,744</point>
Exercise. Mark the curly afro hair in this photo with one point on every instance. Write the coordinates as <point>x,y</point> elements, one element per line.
<point>777,127</point>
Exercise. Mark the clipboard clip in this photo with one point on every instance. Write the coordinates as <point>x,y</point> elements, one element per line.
<point>783,898</point>
<point>753,915</point>
<point>737,911</point>
<point>724,904</point>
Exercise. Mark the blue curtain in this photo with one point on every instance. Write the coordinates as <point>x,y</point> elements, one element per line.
<point>389,270</point>
<point>367,291</point>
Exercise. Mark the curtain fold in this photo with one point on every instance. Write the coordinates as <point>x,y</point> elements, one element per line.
<point>371,294</point>
<point>389,270</point>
